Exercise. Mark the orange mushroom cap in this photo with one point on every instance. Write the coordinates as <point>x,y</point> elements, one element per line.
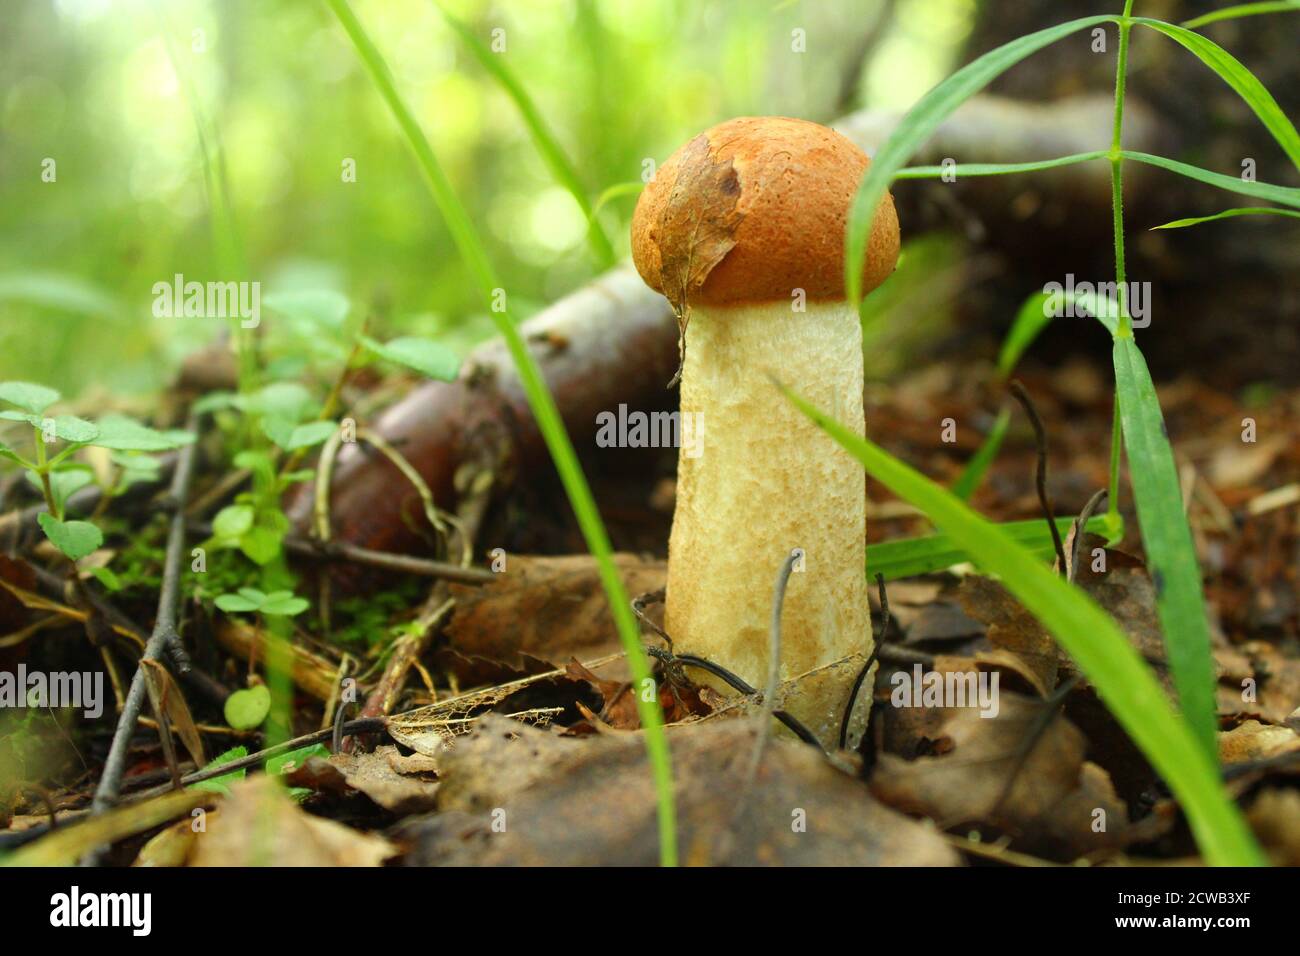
<point>753,209</point>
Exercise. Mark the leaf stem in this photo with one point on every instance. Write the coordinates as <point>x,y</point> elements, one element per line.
<point>1117,175</point>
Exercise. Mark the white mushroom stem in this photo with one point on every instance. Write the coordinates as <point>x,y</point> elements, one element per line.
<point>767,480</point>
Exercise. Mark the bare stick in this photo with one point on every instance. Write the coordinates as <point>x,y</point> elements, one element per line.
<point>1040,436</point>
<point>164,631</point>
<point>1080,523</point>
<point>401,563</point>
<point>773,658</point>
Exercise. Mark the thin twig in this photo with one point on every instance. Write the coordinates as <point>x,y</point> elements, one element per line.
<point>1080,523</point>
<point>1040,437</point>
<point>737,683</point>
<point>773,671</point>
<point>362,725</point>
<point>643,601</point>
<point>876,645</point>
<point>401,563</point>
<point>164,631</point>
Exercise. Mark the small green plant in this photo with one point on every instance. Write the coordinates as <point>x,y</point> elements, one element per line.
<point>249,707</point>
<point>251,600</point>
<point>57,476</point>
<point>273,766</point>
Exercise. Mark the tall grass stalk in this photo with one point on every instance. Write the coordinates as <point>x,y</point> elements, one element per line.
<point>542,403</point>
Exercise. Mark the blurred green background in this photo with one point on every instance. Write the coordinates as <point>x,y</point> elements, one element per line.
<point>119,93</point>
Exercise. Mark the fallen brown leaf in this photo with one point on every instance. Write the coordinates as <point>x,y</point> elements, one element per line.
<point>552,608</point>
<point>374,775</point>
<point>260,825</point>
<point>591,802</point>
<point>1056,804</point>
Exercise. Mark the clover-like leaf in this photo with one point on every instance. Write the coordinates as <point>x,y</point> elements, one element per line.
<point>247,708</point>
<point>245,601</point>
<point>284,604</point>
<point>27,396</point>
<point>76,539</point>
<point>422,355</point>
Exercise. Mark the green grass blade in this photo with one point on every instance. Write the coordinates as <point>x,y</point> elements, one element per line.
<point>1228,214</point>
<point>543,138</point>
<point>548,419</point>
<point>908,557</point>
<point>915,128</point>
<point>973,474</point>
<point>1231,70</point>
<point>1285,195</point>
<point>1171,553</point>
<point>1122,679</point>
<point>996,169</point>
<point>1243,10</point>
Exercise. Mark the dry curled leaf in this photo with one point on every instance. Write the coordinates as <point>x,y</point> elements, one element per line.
<point>698,225</point>
<point>374,775</point>
<point>428,730</point>
<point>171,710</point>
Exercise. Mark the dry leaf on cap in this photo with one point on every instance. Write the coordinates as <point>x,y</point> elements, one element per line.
<point>261,825</point>
<point>697,227</point>
<point>592,803</point>
<point>552,608</point>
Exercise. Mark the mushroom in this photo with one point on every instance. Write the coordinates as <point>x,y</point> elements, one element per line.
<point>742,229</point>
